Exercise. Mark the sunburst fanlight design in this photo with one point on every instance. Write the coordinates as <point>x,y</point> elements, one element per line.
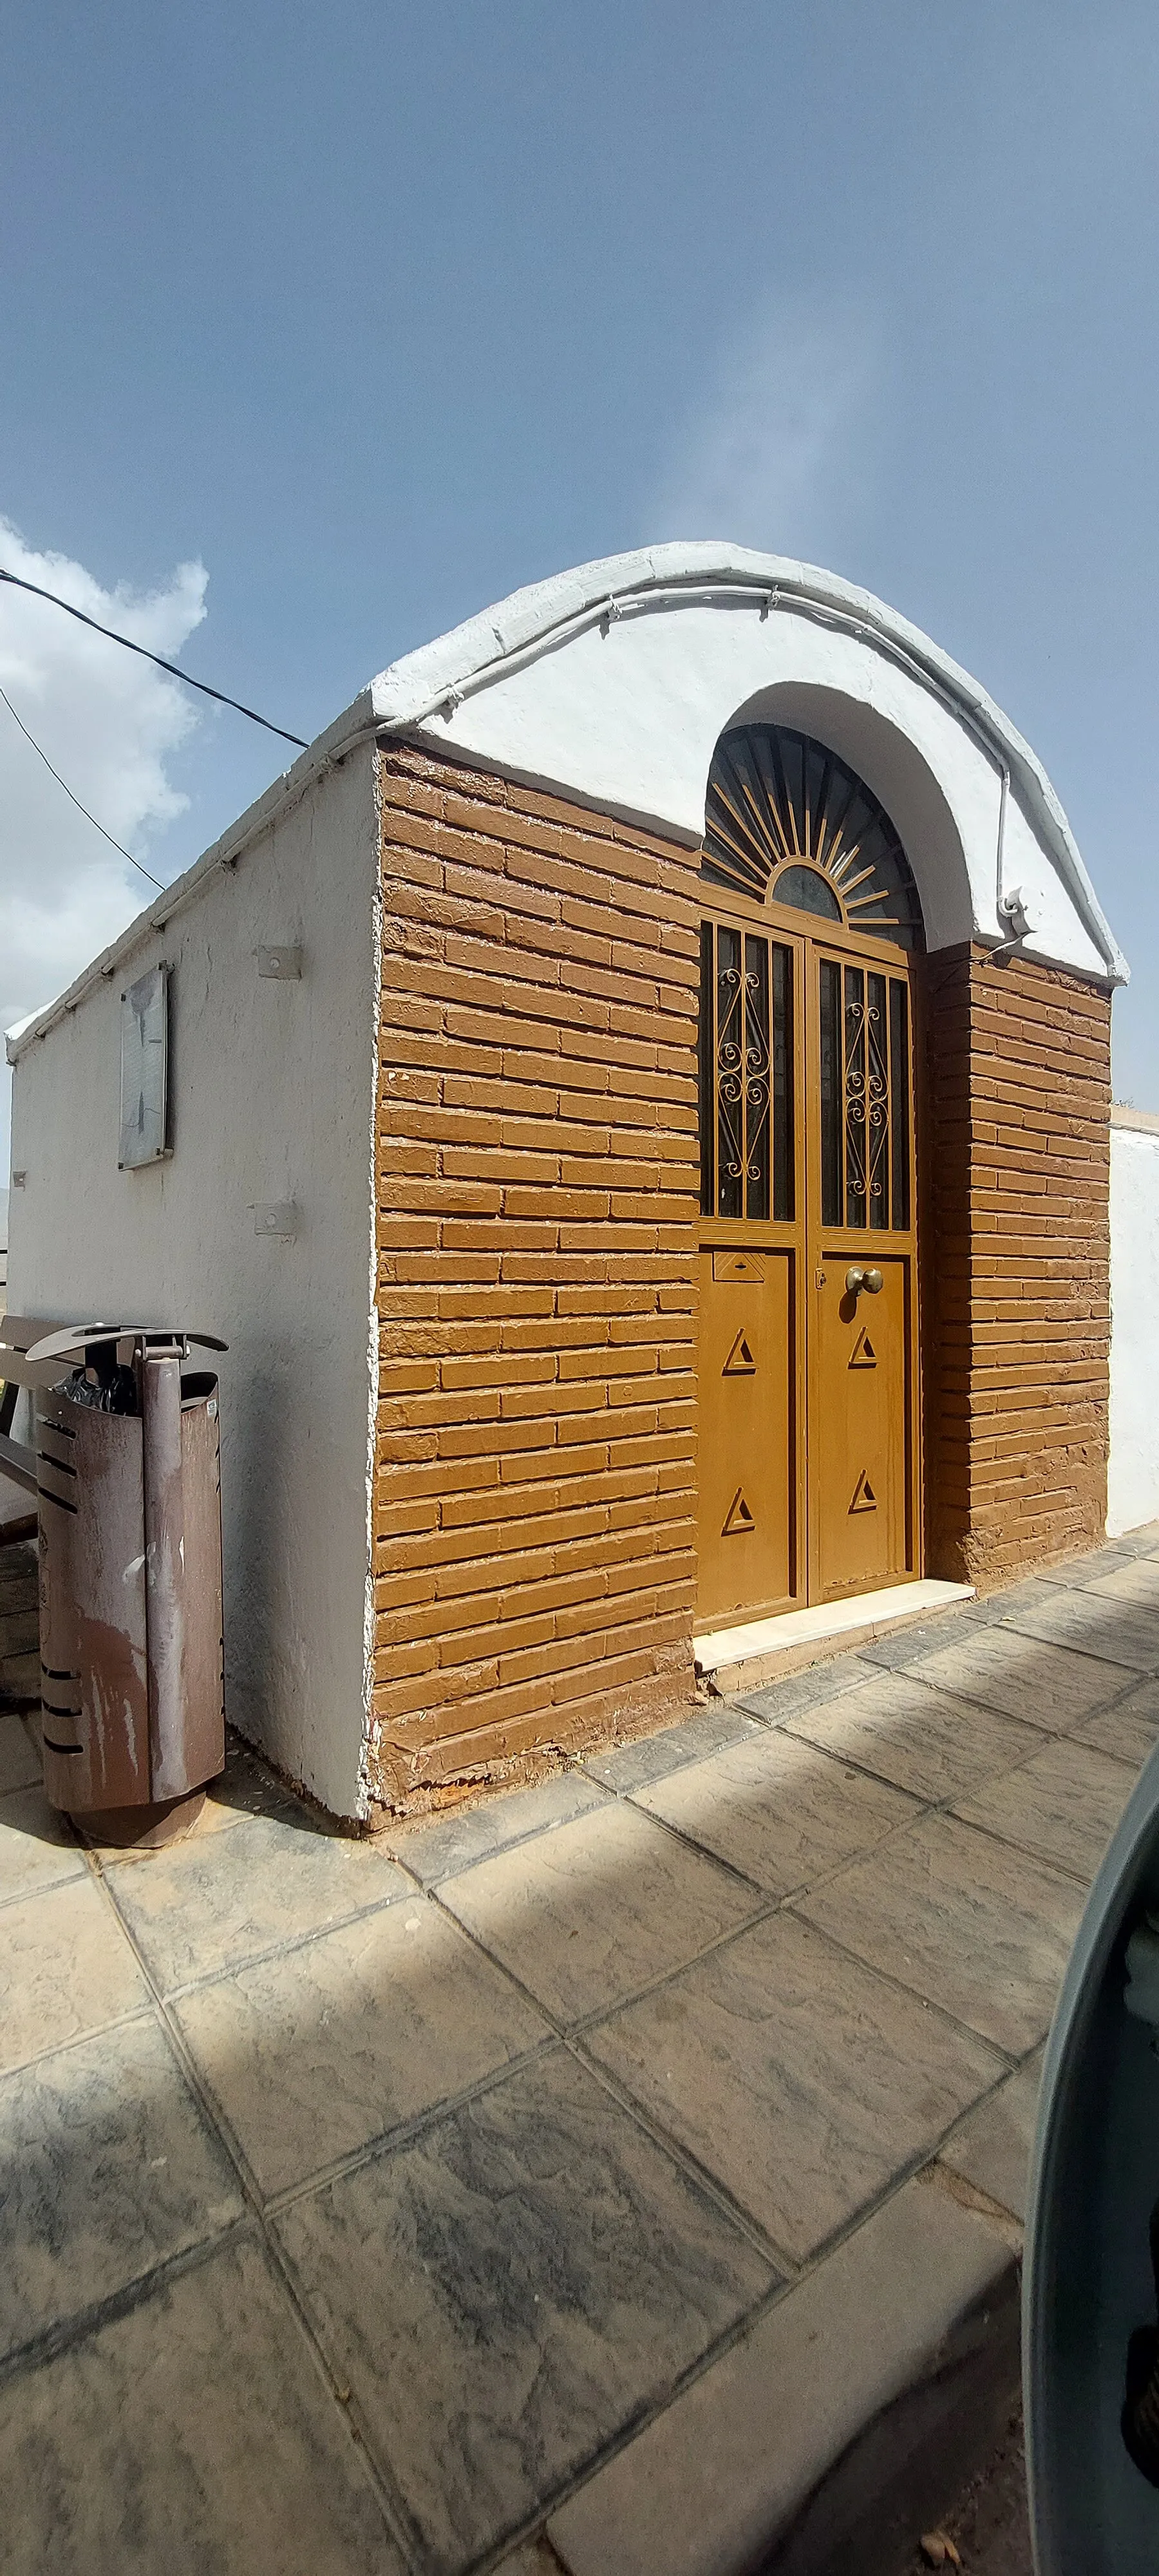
<point>786,819</point>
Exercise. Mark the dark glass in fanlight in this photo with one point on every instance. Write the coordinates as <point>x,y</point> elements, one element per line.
<point>806,890</point>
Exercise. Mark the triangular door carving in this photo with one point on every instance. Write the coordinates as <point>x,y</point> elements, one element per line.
<point>864,1498</point>
<point>738,1517</point>
<point>863,1354</point>
<point>740,1361</point>
<point>738,1266</point>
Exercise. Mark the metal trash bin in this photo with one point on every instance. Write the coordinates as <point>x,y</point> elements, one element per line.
<point>126,1472</point>
<point>1090,2347</point>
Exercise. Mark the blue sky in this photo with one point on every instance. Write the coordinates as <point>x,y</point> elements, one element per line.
<point>369,314</point>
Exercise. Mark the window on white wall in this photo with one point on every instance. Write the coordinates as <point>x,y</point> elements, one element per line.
<point>145,1071</point>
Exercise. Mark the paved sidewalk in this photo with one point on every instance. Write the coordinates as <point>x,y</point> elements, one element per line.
<point>590,2164</point>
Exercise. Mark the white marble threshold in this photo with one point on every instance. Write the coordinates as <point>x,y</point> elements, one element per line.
<point>830,1619</point>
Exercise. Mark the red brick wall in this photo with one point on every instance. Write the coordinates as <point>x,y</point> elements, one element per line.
<point>537,1203</point>
<point>537,1219</point>
<point>1016,1249</point>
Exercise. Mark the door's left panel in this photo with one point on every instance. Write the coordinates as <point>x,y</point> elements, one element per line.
<point>748,1432</point>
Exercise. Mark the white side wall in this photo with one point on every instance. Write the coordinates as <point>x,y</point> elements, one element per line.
<point>1133,1468</point>
<point>273,1091</point>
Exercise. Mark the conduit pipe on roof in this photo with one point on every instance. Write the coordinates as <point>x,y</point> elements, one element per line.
<point>614,606</point>
<point>362,722</point>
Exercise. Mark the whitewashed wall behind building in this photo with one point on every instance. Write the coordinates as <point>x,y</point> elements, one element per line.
<point>1133,1470</point>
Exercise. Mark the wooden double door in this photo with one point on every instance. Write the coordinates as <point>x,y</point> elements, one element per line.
<point>807,1437</point>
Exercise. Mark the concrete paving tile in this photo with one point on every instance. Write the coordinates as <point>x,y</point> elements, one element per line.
<point>777,1809</point>
<point>919,1738</point>
<point>903,1646</point>
<point>107,2166</point>
<point>36,1847</point>
<point>631,1766</point>
<point>800,2079</point>
<point>506,2292</point>
<point>723,2475</point>
<point>982,1930</point>
<point>244,1788</point>
<point>19,1759</point>
<point>1117,1630</point>
<point>432,1852</point>
<point>1063,1805</point>
<point>992,2146</point>
<point>194,2435</point>
<point>65,1968</point>
<point>1139,1542</point>
<point>1048,1685</point>
<point>1080,1570</point>
<point>216,1900</point>
<point>313,2053</point>
<point>990,1607</point>
<point>586,1914</point>
<point>1129,1730</point>
<point>813,1688</point>
<point>1132,1578</point>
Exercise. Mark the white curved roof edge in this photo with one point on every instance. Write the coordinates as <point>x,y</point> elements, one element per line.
<point>540,617</point>
<point>537,619</point>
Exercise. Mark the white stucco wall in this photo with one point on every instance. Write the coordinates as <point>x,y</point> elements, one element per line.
<point>614,682</point>
<point>273,1092</point>
<point>1133,1466</point>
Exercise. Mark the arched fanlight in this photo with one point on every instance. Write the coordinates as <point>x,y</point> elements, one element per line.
<point>788,822</point>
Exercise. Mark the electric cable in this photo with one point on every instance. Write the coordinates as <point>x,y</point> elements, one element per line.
<point>75,800</point>
<point>173,668</point>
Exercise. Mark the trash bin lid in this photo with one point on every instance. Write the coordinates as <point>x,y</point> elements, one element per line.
<point>66,1341</point>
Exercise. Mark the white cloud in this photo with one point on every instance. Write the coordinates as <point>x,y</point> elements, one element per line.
<point>773,453</point>
<point>108,722</point>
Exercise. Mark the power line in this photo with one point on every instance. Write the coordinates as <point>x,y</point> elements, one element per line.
<point>173,668</point>
<point>81,809</point>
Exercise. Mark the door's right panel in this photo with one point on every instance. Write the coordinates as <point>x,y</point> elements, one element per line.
<point>859,1424</point>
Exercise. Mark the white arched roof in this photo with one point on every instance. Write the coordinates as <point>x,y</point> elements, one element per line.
<point>612,683</point>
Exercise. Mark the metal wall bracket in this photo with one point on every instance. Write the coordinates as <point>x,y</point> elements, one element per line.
<point>276,1220</point>
<point>285,963</point>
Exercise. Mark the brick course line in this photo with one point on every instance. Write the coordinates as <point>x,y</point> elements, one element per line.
<point>537,1190</point>
<point>1015,1228</point>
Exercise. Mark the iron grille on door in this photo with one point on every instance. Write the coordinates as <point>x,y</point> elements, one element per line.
<point>865,1098</point>
<point>746,1075</point>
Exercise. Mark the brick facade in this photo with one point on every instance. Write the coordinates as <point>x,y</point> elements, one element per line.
<point>1016,1252</point>
<point>537,1202</point>
<point>537,1192</point>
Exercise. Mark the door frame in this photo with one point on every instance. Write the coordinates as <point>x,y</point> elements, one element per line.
<point>810,938</point>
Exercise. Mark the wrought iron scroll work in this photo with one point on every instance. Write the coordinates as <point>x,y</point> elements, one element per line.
<point>743,1110</point>
<point>866,1104</point>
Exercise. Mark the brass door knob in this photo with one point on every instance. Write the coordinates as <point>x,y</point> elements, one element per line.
<point>872,1281</point>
